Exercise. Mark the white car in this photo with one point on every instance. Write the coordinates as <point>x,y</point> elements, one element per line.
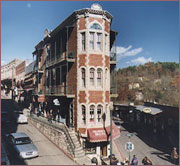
<point>21,145</point>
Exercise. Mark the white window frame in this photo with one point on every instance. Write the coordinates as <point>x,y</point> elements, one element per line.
<point>99,77</point>
<point>83,77</point>
<point>92,76</point>
<point>99,115</point>
<point>83,41</point>
<point>91,113</point>
<point>83,108</point>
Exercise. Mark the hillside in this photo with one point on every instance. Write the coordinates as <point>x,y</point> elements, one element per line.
<point>156,82</point>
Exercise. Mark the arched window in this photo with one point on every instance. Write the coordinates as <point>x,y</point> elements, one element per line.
<point>83,77</point>
<point>99,112</point>
<point>83,113</point>
<point>92,77</point>
<point>99,77</point>
<point>92,107</point>
<point>96,26</point>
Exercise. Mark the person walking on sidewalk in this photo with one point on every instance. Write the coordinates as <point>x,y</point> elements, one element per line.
<point>146,161</point>
<point>174,156</point>
<point>134,160</point>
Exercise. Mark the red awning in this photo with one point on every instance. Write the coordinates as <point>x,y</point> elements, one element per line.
<point>101,134</point>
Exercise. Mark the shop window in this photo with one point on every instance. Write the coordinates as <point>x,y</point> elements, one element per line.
<point>92,113</point>
<point>83,74</point>
<point>83,41</point>
<point>84,114</point>
<point>99,77</point>
<point>99,112</point>
<point>92,77</point>
<point>91,42</point>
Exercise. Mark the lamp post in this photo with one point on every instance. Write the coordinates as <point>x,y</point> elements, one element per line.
<point>111,109</point>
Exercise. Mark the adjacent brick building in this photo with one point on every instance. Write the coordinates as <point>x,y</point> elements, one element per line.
<point>74,64</point>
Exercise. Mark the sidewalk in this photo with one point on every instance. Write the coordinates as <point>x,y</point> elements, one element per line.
<point>141,149</point>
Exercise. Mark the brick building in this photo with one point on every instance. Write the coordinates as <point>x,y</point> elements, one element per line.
<point>74,64</point>
<point>8,73</point>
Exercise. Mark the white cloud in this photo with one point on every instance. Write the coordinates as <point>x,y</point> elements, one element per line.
<point>28,5</point>
<point>140,60</point>
<point>125,52</point>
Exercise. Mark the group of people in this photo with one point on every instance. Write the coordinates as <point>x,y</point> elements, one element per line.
<point>147,161</point>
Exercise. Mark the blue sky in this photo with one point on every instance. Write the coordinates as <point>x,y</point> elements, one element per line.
<point>147,31</point>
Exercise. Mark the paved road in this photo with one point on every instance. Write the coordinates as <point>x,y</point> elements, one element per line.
<point>142,148</point>
<point>49,154</point>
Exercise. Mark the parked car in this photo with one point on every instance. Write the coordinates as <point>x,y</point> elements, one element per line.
<point>22,145</point>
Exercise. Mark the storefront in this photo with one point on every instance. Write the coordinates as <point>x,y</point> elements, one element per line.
<point>98,141</point>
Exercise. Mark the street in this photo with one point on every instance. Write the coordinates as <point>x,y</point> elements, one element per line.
<point>49,154</point>
<point>143,146</point>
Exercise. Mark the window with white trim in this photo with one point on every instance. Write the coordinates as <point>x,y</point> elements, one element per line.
<point>91,41</point>
<point>99,36</point>
<point>99,112</point>
<point>83,76</point>
<point>92,76</point>
<point>83,113</point>
<point>99,77</point>
<point>83,41</point>
<point>92,107</point>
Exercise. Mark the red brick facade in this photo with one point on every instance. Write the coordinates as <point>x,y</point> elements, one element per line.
<point>82,97</point>
<point>107,61</point>
<point>107,29</point>
<point>91,19</point>
<point>107,97</point>
<point>82,23</point>
<point>82,60</point>
<point>95,97</point>
<point>95,60</point>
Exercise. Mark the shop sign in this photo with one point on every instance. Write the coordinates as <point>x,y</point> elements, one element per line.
<point>147,110</point>
<point>129,146</point>
<point>98,132</point>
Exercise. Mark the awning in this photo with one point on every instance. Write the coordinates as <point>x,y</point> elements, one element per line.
<point>101,134</point>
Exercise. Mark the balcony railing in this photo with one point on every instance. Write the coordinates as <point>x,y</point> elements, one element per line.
<point>63,57</point>
<point>59,90</point>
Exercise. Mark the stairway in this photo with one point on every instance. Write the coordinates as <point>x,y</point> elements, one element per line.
<point>78,151</point>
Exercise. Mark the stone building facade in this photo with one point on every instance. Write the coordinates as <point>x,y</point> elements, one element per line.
<point>74,64</point>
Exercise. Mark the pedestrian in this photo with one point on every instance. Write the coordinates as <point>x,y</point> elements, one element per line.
<point>174,156</point>
<point>56,105</point>
<point>134,160</point>
<point>146,161</point>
